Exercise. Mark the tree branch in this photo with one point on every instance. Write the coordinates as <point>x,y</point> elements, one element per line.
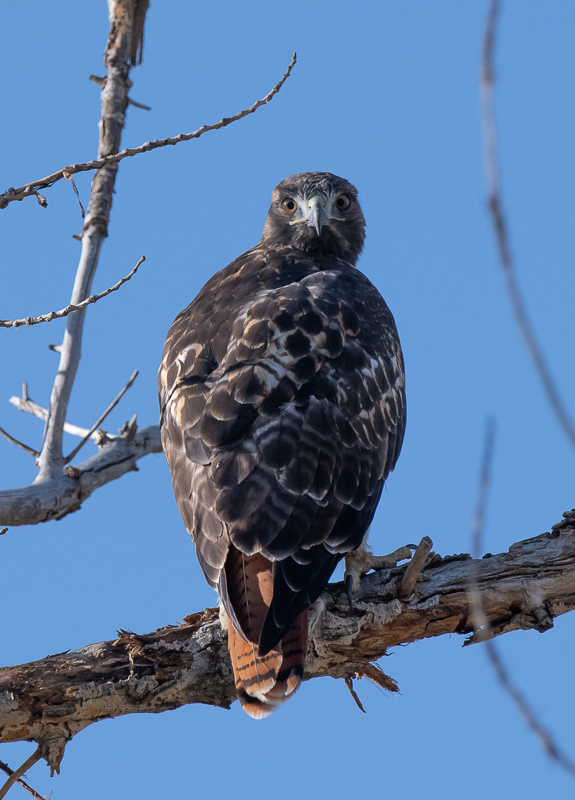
<point>101,418</point>
<point>65,492</point>
<point>17,774</point>
<point>114,104</point>
<point>189,663</point>
<point>500,226</point>
<point>21,445</point>
<point>27,405</point>
<point>31,189</point>
<point>482,627</point>
<point>7,771</point>
<point>17,323</point>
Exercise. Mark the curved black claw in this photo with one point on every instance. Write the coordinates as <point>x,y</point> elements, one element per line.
<point>348,585</point>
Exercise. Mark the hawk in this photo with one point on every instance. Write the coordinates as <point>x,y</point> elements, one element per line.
<point>282,414</point>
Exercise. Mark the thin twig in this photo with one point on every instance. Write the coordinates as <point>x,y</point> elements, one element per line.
<point>17,323</point>
<point>69,177</point>
<point>6,769</point>
<point>101,418</point>
<point>500,225</point>
<point>545,738</point>
<point>30,188</point>
<point>27,405</point>
<point>481,623</point>
<point>17,774</point>
<point>21,445</point>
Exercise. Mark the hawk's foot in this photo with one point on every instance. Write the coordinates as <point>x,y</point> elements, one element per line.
<point>359,562</point>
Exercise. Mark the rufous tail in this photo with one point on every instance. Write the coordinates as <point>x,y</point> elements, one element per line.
<point>262,682</point>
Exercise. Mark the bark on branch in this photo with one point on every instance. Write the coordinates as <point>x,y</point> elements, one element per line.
<point>66,491</point>
<point>114,104</point>
<point>31,189</point>
<point>62,694</point>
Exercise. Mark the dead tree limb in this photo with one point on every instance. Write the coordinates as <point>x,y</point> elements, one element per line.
<point>65,492</point>
<point>95,230</point>
<point>31,189</point>
<point>189,663</point>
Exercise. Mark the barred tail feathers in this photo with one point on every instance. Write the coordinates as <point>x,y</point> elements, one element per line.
<point>264,683</point>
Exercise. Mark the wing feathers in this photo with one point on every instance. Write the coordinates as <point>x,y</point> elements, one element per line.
<point>283,411</point>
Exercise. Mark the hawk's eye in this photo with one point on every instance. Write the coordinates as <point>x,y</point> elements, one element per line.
<point>342,202</point>
<point>289,206</point>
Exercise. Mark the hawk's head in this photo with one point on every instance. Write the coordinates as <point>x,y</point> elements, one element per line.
<point>317,212</point>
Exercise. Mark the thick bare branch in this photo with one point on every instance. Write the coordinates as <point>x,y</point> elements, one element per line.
<point>57,496</point>
<point>189,663</point>
<point>17,323</point>
<point>31,189</point>
<point>114,104</point>
<point>500,226</point>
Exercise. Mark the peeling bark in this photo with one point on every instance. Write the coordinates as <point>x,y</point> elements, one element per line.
<point>58,696</point>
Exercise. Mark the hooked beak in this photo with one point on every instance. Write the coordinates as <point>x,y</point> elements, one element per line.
<point>316,216</point>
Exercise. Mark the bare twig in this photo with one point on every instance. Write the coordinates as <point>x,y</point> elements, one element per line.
<point>101,418</point>
<point>500,225</point>
<point>545,738</point>
<point>7,771</point>
<point>189,663</point>
<point>16,323</point>
<point>17,774</point>
<point>68,177</point>
<point>31,188</point>
<point>24,403</point>
<point>102,82</point>
<point>414,568</point>
<point>21,445</point>
<point>481,621</point>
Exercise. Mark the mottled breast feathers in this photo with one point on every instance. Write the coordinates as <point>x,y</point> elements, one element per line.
<point>282,413</point>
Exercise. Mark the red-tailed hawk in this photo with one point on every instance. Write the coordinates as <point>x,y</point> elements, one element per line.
<point>282,413</point>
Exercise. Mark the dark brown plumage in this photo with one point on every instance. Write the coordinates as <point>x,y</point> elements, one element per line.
<point>282,412</point>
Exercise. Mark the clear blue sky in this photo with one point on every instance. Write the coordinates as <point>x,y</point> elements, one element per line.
<point>385,94</point>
